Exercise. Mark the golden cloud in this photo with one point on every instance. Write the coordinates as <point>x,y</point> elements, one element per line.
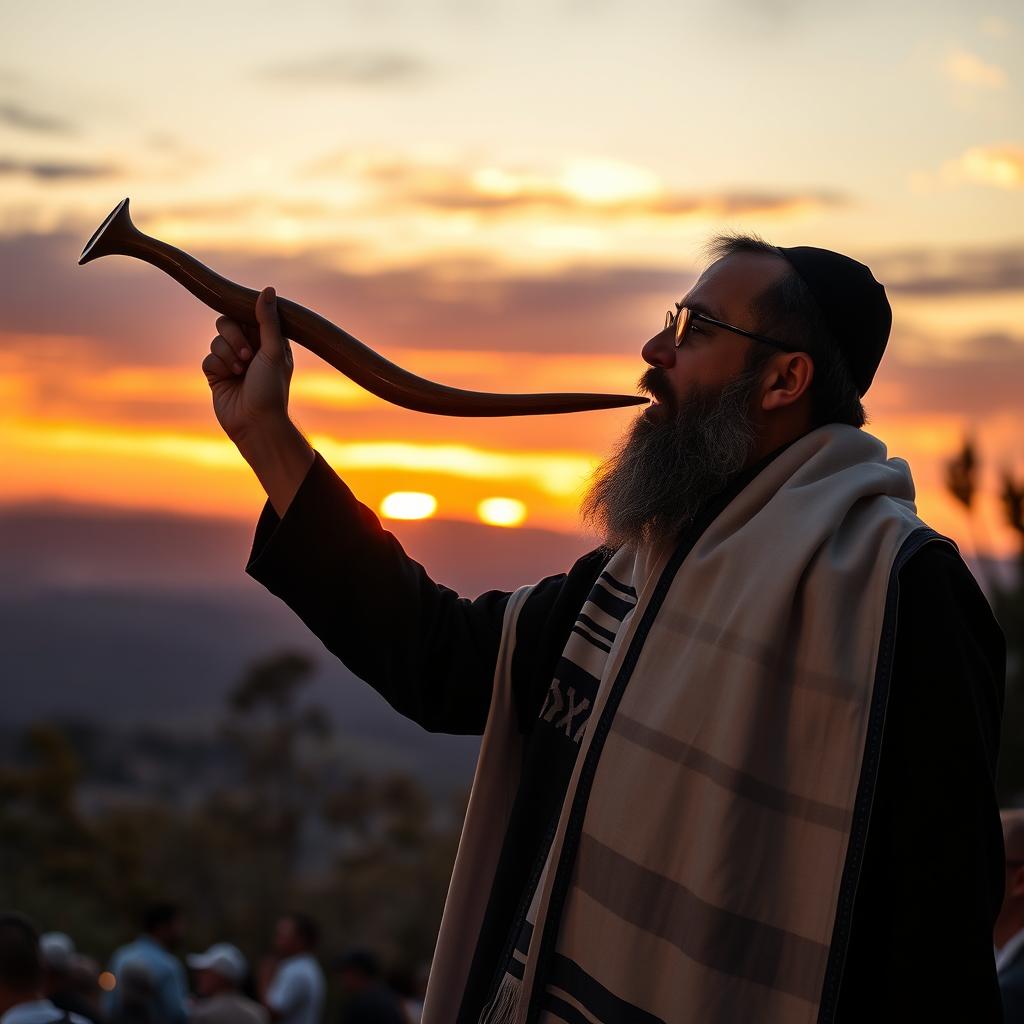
<point>580,187</point>
<point>557,473</point>
<point>969,69</point>
<point>1001,166</point>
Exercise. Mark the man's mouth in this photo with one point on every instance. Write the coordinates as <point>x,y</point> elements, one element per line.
<point>651,384</point>
<point>661,404</point>
<point>656,410</point>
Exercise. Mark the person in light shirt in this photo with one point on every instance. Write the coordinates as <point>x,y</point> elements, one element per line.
<point>147,970</point>
<point>21,977</point>
<point>292,983</point>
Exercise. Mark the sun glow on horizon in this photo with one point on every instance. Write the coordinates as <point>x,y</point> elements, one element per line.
<point>408,505</point>
<point>502,511</point>
<point>193,472</point>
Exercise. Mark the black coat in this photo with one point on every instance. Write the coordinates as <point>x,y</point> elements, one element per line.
<point>1011,986</point>
<point>918,944</point>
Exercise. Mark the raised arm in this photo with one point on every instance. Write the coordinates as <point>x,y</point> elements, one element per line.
<point>430,653</point>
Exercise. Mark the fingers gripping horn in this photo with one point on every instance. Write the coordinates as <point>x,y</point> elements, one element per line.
<point>117,235</point>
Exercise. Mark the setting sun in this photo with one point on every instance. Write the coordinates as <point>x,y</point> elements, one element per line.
<point>408,505</point>
<point>501,511</point>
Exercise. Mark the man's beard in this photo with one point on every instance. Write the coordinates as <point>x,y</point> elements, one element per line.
<point>666,469</point>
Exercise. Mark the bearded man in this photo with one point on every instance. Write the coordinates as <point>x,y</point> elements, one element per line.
<point>717,752</point>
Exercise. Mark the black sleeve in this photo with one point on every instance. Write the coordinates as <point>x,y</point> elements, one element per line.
<point>427,651</point>
<point>430,653</point>
<point>932,878</point>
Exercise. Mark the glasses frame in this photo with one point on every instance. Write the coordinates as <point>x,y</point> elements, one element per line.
<point>683,316</point>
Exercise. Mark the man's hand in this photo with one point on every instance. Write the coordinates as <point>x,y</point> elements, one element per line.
<point>249,371</point>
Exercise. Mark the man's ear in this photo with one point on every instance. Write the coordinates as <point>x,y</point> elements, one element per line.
<point>789,375</point>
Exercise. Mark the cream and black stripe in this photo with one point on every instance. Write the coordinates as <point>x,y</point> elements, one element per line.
<point>574,687</point>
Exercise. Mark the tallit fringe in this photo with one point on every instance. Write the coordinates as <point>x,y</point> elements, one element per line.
<point>502,1008</point>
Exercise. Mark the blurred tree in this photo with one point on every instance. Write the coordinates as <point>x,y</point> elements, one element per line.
<point>285,823</point>
<point>393,865</point>
<point>252,830</point>
<point>280,744</point>
<point>48,853</point>
<point>1006,592</point>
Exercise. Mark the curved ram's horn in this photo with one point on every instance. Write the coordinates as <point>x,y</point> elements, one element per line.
<point>117,234</point>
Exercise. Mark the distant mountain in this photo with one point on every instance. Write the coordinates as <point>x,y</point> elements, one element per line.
<point>64,545</point>
<point>131,618</point>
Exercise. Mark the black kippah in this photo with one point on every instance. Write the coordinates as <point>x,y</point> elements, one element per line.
<point>852,303</point>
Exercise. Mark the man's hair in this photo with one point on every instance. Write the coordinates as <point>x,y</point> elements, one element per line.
<point>788,311</point>
<point>306,928</point>
<point>20,964</point>
<point>157,915</point>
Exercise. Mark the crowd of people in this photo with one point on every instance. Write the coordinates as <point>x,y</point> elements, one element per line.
<point>44,979</point>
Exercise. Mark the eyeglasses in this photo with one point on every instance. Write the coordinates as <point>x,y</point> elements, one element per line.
<point>683,318</point>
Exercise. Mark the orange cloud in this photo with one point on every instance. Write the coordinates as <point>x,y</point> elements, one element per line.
<point>558,473</point>
<point>201,473</point>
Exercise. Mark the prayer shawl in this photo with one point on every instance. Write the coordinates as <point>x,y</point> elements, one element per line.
<point>706,856</point>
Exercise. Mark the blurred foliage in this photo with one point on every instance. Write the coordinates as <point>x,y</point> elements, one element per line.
<point>1006,593</point>
<point>293,828</point>
<point>962,474</point>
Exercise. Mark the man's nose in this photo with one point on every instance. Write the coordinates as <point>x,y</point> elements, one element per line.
<point>661,350</point>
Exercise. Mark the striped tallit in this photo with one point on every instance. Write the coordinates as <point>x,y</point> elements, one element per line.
<point>695,871</point>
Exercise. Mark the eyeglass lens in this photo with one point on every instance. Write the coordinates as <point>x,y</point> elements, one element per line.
<point>680,318</point>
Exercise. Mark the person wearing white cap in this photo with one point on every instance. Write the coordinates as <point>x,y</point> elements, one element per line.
<point>57,954</point>
<point>22,1000</point>
<point>220,972</point>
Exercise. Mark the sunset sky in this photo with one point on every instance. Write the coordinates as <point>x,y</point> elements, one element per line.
<point>503,196</point>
